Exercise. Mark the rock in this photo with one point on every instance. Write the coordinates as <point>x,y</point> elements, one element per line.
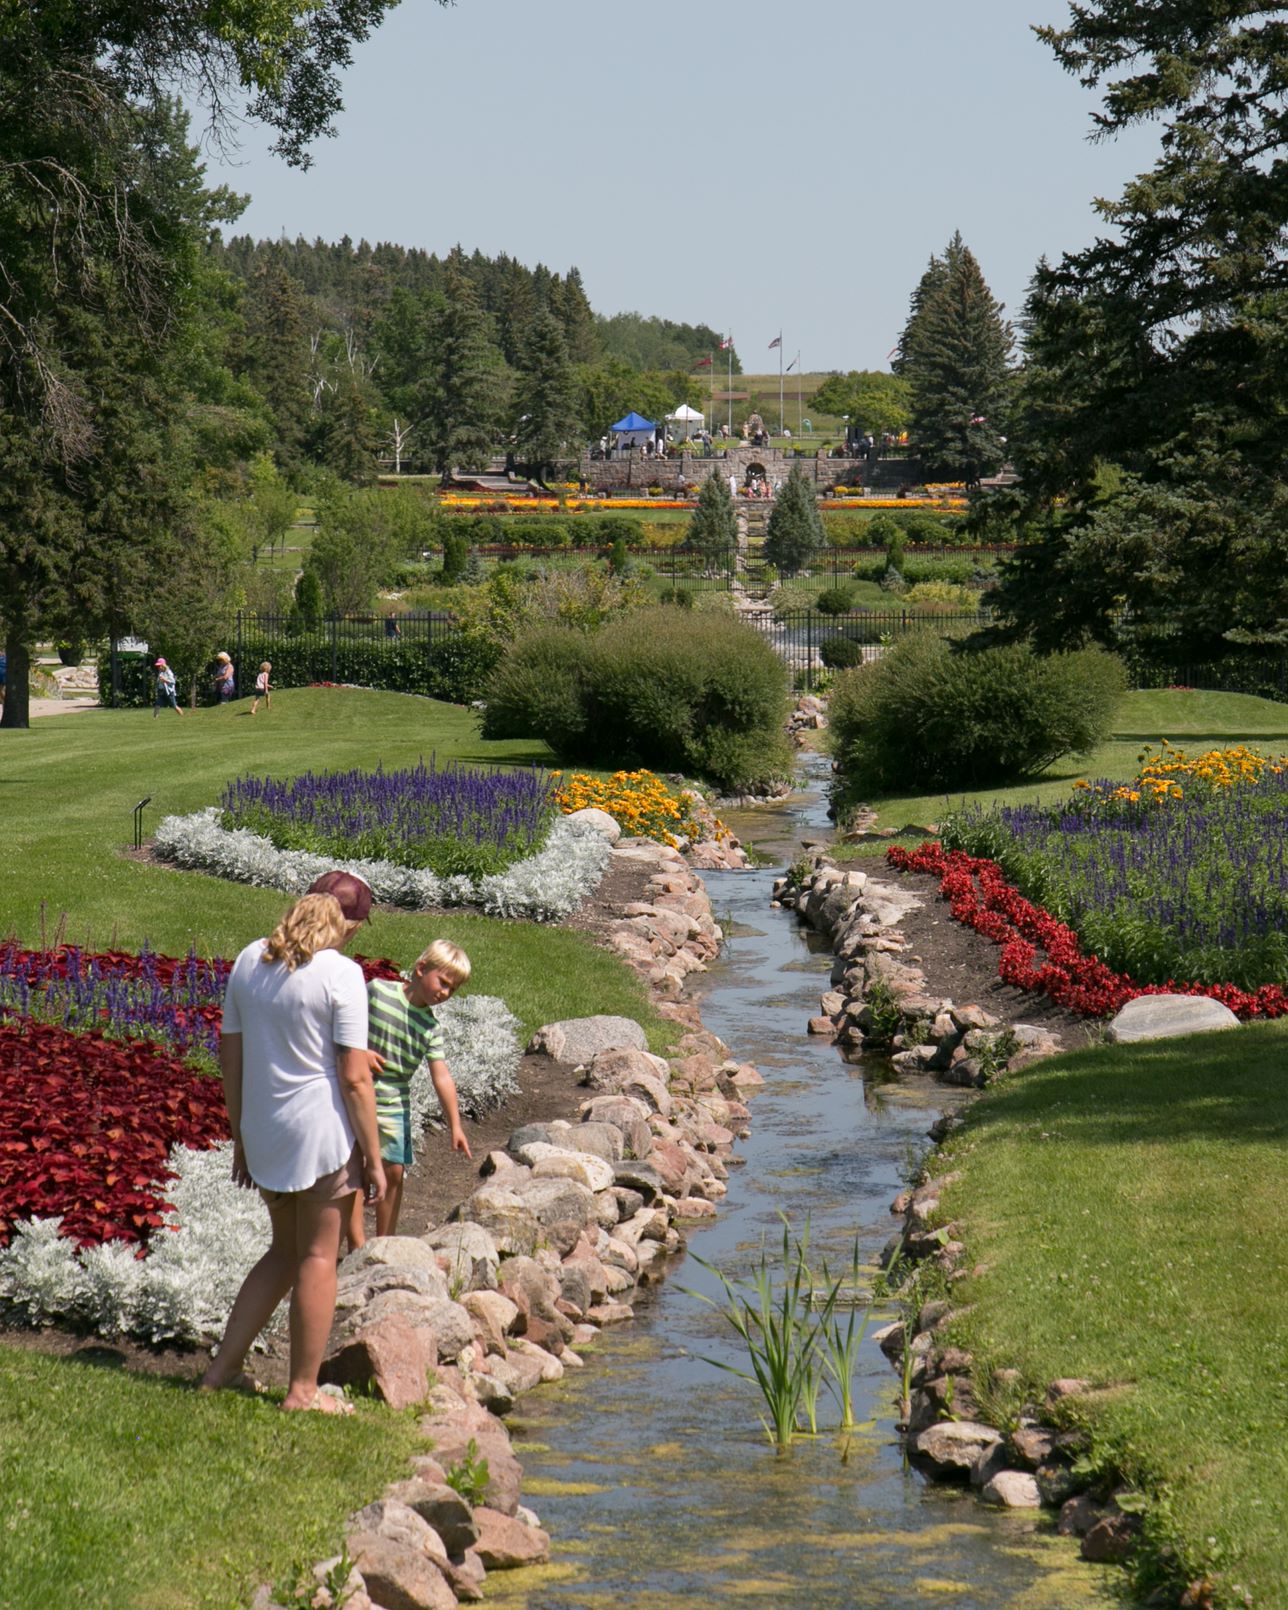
<point>562,1209</point>
<point>390,1358</point>
<point>392,1519</point>
<point>1067,1387</point>
<point>1078,1515</point>
<point>494,1314</point>
<point>355,1291</point>
<point>1159,1017</point>
<point>1111,1539</point>
<point>609,1070</point>
<point>953,1446</point>
<point>398,1251</point>
<point>504,1472</point>
<point>600,1139</point>
<point>1056,1482</point>
<point>610,1313</point>
<point>577,1039</point>
<point>694,1207</point>
<point>559,1163</point>
<point>820,1025</point>
<point>547,1364</point>
<point>505,1543</point>
<point>1032,1446</point>
<point>440,1505</point>
<point>472,1253</point>
<point>597,821</point>
<point>511,1225</point>
<point>398,1577</point>
<point>991,1462</point>
<point>1013,1489</point>
<point>640,1178</point>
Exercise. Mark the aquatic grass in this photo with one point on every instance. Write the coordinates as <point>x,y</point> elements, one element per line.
<point>454,820</point>
<point>802,1329</point>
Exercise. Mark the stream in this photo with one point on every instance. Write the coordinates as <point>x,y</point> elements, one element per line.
<point>650,1468</point>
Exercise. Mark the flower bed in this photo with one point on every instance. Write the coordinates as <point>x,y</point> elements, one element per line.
<point>544,887</point>
<point>1042,954</point>
<point>1180,873</point>
<point>451,819</point>
<point>643,805</point>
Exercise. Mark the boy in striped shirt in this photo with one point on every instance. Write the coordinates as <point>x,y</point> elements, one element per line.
<point>402,1032</point>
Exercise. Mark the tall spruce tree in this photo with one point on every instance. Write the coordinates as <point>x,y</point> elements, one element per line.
<point>713,531</point>
<point>465,389</point>
<point>795,533</point>
<point>954,353</point>
<point>545,400</point>
<point>276,359</point>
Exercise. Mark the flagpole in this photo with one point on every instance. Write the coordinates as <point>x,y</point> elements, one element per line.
<point>781,420</point>
<point>800,406</point>
<point>729,383</point>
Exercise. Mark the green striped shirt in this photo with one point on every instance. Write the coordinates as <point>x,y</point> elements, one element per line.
<point>404,1035</point>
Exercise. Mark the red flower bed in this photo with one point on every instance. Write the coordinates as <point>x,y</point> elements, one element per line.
<point>87,1124</point>
<point>980,896</point>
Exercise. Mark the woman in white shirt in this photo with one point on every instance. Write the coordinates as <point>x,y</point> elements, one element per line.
<point>302,1112</point>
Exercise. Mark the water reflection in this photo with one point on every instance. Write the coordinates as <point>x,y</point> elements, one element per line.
<point>650,1467</point>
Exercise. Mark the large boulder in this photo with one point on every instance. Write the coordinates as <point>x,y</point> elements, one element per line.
<point>561,1208</point>
<point>505,1543</point>
<point>509,1222</point>
<point>610,1070</point>
<point>598,821</point>
<point>390,1359</point>
<point>444,1508</point>
<point>399,1577</point>
<point>556,1162</point>
<point>951,1447</point>
<point>576,1039</point>
<point>1159,1017</point>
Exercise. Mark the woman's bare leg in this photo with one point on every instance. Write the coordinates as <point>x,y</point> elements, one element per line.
<point>355,1230</point>
<point>318,1227</point>
<point>262,1290</point>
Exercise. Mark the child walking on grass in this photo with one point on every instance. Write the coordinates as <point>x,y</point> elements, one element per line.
<point>262,688</point>
<point>402,1031</point>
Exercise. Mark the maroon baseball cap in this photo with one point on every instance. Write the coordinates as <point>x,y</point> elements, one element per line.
<point>349,889</point>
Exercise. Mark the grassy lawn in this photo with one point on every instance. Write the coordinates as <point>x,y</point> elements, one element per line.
<point>68,785</point>
<point>1153,1258</point>
<point>1185,717</point>
<point>146,1495</point>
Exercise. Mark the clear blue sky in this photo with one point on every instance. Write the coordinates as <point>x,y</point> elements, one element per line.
<point>754,167</point>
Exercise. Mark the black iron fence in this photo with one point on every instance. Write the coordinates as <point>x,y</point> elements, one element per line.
<point>811,641</point>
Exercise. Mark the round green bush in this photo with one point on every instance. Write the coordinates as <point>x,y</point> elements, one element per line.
<point>835,601</point>
<point>930,714</point>
<point>661,688</point>
<point>839,653</point>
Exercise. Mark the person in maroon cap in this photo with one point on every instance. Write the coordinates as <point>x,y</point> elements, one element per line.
<point>297,1082</point>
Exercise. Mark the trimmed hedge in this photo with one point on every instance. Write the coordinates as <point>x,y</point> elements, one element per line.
<point>455,668</point>
<point>544,530</point>
<point>661,688</point>
<point>928,715</point>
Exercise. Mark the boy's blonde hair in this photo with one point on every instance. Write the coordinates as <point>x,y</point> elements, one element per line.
<point>446,958</point>
<point>267,665</point>
<point>315,922</point>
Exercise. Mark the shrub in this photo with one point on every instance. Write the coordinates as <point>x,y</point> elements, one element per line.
<point>892,581</point>
<point>661,688</point>
<point>835,601</point>
<point>680,597</point>
<point>929,715</point>
<point>839,653</point>
<point>456,555</point>
<point>944,593</point>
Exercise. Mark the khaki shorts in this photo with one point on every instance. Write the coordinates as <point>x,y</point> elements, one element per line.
<point>333,1187</point>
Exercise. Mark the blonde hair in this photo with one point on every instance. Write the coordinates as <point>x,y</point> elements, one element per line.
<point>267,665</point>
<point>446,958</point>
<point>315,922</point>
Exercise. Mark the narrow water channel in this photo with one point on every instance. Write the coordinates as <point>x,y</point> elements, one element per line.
<point>650,1467</point>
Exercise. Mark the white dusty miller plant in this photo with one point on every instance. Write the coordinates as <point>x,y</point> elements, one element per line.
<point>545,887</point>
<point>183,1289</point>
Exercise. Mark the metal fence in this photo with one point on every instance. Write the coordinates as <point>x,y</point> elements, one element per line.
<point>800,635</point>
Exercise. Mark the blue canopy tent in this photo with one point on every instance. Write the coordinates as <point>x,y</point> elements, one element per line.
<point>633,430</point>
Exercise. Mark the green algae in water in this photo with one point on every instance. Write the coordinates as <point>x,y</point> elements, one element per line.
<point>552,1487</point>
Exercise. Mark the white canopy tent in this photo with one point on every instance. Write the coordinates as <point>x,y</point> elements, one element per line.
<point>685,422</point>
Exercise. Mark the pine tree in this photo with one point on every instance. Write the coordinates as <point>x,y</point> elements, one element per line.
<point>795,532</point>
<point>277,355</point>
<point>713,531</point>
<point>953,352</point>
<point>545,402</point>
<point>465,390</point>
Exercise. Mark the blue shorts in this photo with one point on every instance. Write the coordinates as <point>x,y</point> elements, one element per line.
<point>395,1136</point>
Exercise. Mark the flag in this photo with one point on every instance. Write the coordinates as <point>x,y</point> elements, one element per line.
<point>776,342</point>
<point>702,363</point>
<point>726,344</point>
<point>791,366</point>
<point>892,352</point>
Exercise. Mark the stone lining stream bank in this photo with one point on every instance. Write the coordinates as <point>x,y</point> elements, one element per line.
<point>882,1003</point>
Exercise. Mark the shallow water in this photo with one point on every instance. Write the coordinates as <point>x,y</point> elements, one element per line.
<point>650,1467</point>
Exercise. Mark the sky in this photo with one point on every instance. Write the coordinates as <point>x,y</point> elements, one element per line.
<point>756,167</point>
